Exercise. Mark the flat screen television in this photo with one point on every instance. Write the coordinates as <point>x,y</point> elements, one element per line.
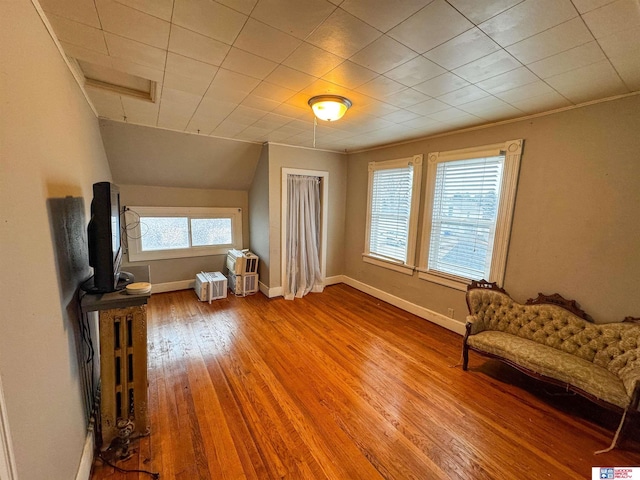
<point>103,232</point>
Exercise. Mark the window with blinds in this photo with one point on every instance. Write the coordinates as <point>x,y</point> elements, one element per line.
<point>392,211</point>
<point>465,211</point>
<point>468,213</point>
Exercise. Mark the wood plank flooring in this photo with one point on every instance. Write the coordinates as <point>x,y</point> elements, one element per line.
<point>340,385</point>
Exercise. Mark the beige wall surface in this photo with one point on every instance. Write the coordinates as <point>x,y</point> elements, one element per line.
<point>575,229</point>
<point>177,269</point>
<point>259,215</point>
<point>51,149</point>
<point>280,157</point>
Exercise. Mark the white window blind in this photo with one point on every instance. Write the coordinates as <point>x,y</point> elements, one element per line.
<point>390,212</point>
<point>465,211</point>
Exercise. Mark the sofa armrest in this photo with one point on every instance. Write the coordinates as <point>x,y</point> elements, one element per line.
<point>475,325</point>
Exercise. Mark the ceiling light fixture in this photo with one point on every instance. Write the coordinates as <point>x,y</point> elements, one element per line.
<point>329,107</point>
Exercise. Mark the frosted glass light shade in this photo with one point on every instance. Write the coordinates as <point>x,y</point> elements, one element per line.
<point>329,107</point>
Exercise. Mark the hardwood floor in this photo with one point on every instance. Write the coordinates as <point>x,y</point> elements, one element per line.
<point>340,385</point>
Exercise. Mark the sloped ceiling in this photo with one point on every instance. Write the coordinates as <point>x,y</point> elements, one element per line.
<point>141,155</point>
<point>245,69</point>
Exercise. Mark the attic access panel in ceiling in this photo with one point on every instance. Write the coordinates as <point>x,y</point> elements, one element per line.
<point>99,76</point>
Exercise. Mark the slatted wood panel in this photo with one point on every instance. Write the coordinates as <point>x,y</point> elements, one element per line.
<point>340,385</point>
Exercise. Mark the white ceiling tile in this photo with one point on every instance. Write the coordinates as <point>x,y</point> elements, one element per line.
<point>134,24</point>
<point>400,116</point>
<point>196,46</point>
<point>91,56</point>
<point>273,92</point>
<point>550,42</point>
<point>244,6</point>
<point>541,103</point>
<point>82,11</point>
<point>350,75</point>
<point>383,14</point>
<point>247,115</point>
<point>463,95</point>
<point>380,86</point>
<point>188,75</point>
<point>442,84</point>
<point>623,42</point>
<point>490,108</point>
<point>622,50</point>
<point>421,123</point>
<point>487,67</point>
<point>435,24</point>
<point>507,81</point>
<point>594,81</point>
<point>140,111</point>
<point>343,34</point>
<point>376,108</point>
<point>613,17</point>
<point>312,60</point>
<point>585,6</point>
<point>529,90</point>
<point>479,11</point>
<point>158,8</point>
<point>628,68</point>
<point>571,59</point>
<point>383,54</point>
<point>293,111</point>
<point>227,82</point>
<point>247,63</point>
<point>290,78</point>
<point>450,114</point>
<point>265,41</point>
<point>526,19</point>
<point>135,51</point>
<point>406,98</point>
<point>260,103</point>
<point>79,34</point>
<point>466,47</point>
<point>293,16</point>
<point>133,68</point>
<point>209,18</point>
<point>228,129</point>
<point>416,70</point>
<point>428,107</point>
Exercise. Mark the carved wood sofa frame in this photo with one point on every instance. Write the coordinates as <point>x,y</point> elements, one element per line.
<point>571,306</point>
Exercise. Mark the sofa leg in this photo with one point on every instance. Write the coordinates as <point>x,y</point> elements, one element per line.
<point>465,357</point>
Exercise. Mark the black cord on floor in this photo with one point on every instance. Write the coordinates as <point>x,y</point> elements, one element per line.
<point>126,470</point>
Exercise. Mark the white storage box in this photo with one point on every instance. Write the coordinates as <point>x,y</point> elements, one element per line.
<point>210,286</point>
<point>240,262</point>
<point>243,285</point>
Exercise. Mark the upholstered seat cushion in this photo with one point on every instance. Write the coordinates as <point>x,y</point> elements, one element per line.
<point>553,363</point>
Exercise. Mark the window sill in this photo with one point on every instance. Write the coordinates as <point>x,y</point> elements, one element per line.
<point>397,267</point>
<point>451,282</point>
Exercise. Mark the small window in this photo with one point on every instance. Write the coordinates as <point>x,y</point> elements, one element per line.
<point>468,214</point>
<point>155,233</point>
<point>392,212</point>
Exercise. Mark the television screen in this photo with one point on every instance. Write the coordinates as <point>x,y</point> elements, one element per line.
<point>105,249</point>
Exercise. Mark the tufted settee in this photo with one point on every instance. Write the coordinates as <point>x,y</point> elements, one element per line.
<point>550,338</point>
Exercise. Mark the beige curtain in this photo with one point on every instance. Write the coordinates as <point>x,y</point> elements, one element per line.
<point>302,237</point>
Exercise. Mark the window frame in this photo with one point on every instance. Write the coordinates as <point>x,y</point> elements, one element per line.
<point>512,151</point>
<point>134,231</point>
<point>407,267</point>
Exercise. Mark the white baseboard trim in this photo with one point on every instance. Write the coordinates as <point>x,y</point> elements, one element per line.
<point>434,317</point>
<point>279,291</point>
<point>86,461</point>
<point>172,286</point>
<point>334,280</point>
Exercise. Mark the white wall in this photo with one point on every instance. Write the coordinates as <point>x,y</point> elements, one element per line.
<point>50,149</point>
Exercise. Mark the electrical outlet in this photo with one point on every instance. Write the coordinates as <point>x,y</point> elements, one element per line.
<point>450,312</point>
